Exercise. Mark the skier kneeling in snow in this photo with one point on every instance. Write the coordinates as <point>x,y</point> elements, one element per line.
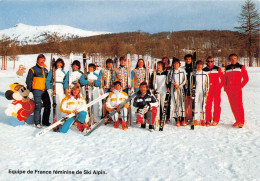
<point>146,105</point>
<point>72,105</point>
<point>113,101</point>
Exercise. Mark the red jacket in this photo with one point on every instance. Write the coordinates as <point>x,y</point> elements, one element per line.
<point>26,110</point>
<point>236,77</point>
<point>216,77</point>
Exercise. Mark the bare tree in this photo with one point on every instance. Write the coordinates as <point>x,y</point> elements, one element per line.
<point>249,26</point>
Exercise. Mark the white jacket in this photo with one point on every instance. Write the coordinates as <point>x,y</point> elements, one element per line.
<point>202,81</point>
<point>70,104</point>
<point>115,98</point>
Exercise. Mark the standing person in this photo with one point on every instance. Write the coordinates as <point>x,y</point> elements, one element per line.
<point>114,99</point>
<point>93,83</point>
<point>161,84</point>
<point>35,82</point>
<point>202,85</point>
<point>59,87</point>
<point>216,82</point>
<point>146,105</point>
<point>107,81</point>
<point>177,96</point>
<point>139,74</point>
<point>236,78</point>
<point>188,102</point>
<point>107,76</point>
<point>121,74</point>
<point>70,105</point>
<point>73,79</point>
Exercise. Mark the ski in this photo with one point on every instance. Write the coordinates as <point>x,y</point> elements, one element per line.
<point>129,89</point>
<point>70,70</point>
<point>110,114</point>
<point>193,87</point>
<point>86,75</point>
<point>54,104</point>
<point>166,104</point>
<point>57,123</point>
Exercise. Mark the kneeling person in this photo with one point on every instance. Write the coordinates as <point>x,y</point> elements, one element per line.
<point>72,105</point>
<point>146,105</point>
<point>113,101</point>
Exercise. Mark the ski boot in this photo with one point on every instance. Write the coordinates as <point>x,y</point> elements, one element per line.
<point>116,124</point>
<point>151,128</point>
<point>214,123</point>
<point>202,122</point>
<point>124,126</point>
<point>207,124</point>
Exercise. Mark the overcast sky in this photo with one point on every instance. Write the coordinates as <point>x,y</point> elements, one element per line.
<point>123,16</point>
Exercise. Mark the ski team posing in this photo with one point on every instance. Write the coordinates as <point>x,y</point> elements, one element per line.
<point>70,91</point>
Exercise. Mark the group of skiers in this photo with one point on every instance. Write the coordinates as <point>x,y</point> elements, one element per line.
<point>191,93</point>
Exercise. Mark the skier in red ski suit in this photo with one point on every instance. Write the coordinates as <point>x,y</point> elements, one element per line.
<point>236,78</point>
<point>216,82</point>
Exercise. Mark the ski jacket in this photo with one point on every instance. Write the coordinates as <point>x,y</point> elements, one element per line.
<point>202,81</point>
<point>107,78</point>
<point>236,77</point>
<point>60,78</point>
<point>141,101</point>
<point>70,104</point>
<point>160,81</point>
<point>91,76</point>
<point>122,76</point>
<point>71,80</point>
<point>216,77</point>
<point>138,76</point>
<point>188,68</point>
<point>115,98</point>
<point>36,78</point>
<point>178,76</point>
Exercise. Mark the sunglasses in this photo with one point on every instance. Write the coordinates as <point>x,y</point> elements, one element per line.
<point>210,61</point>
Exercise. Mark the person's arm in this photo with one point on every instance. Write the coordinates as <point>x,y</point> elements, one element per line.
<point>83,81</point>
<point>222,77</point>
<point>244,76</point>
<point>184,80</point>
<point>29,80</point>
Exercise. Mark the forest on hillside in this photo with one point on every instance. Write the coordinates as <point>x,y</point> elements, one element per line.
<point>214,43</point>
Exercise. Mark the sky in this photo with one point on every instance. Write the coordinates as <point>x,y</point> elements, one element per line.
<point>123,16</point>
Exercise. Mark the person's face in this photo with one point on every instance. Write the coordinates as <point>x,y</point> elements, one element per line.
<point>41,61</point>
<point>75,67</point>
<point>210,62</point>
<point>199,67</point>
<point>143,89</point>
<point>159,67</point>
<point>176,65</point>
<point>233,59</point>
<point>59,64</point>
<point>118,87</point>
<point>109,65</point>
<point>91,69</point>
<point>75,92</point>
<point>165,61</point>
<point>188,60</point>
<point>140,63</point>
<point>123,62</point>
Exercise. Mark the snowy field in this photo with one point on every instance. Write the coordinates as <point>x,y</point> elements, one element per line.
<point>214,153</point>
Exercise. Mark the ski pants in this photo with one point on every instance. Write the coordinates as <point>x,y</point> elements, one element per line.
<point>177,104</point>
<point>188,107</point>
<point>81,117</point>
<point>41,99</point>
<point>236,103</point>
<point>199,112</point>
<point>214,95</point>
<point>149,115</point>
<point>123,113</point>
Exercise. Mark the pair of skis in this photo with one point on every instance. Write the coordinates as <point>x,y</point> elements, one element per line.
<point>57,123</point>
<point>120,106</point>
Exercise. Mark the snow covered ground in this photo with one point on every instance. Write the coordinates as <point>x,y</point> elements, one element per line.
<point>214,153</point>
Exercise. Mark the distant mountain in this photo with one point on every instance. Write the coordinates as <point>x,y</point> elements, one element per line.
<point>26,34</point>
